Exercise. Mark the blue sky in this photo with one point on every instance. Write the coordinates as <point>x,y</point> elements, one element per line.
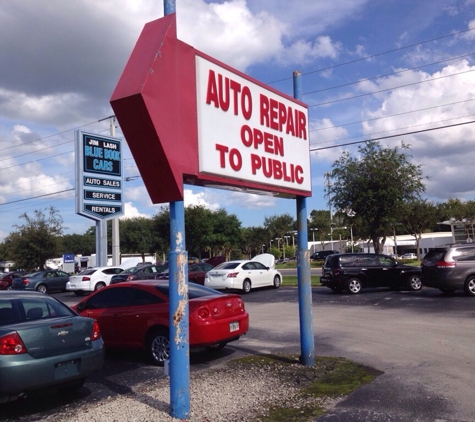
<point>370,69</point>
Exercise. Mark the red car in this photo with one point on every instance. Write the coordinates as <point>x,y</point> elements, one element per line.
<point>6,279</point>
<point>135,315</point>
<point>196,273</point>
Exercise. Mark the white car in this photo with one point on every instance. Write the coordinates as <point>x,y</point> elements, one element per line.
<point>409,256</point>
<point>244,274</point>
<point>91,279</point>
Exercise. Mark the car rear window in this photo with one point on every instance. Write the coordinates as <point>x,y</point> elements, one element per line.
<point>435,255</point>
<point>20,310</point>
<point>227,266</point>
<point>87,272</point>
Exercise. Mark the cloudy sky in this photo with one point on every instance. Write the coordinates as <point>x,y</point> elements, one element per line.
<point>370,69</point>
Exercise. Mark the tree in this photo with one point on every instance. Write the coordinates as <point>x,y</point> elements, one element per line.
<point>279,226</point>
<point>375,186</point>
<point>418,217</point>
<point>320,226</point>
<point>79,244</point>
<point>136,236</point>
<point>38,239</point>
<point>254,239</point>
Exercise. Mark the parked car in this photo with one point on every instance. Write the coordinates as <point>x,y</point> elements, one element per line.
<point>215,318</point>
<point>450,268</point>
<point>321,255</point>
<point>91,279</point>
<point>245,274</point>
<point>409,256</point>
<point>141,272</point>
<point>6,279</point>
<point>42,281</point>
<point>215,260</point>
<point>44,344</point>
<point>193,260</point>
<point>196,273</point>
<point>355,271</point>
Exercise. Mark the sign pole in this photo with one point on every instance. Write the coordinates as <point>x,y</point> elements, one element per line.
<point>307,342</point>
<point>178,297</point>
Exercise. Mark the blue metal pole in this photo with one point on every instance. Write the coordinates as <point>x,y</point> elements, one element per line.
<point>169,7</point>
<point>307,342</point>
<point>179,367</point>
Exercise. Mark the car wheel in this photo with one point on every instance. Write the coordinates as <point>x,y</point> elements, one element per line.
<point>158,346</point>
<point>41,288</point>
<point>353,286</point>
<point>447,290</point>
<point>414,283</point>
<point>470,286</point>
<point>79,292</point>
<point>99,285</point>
<point>246,286</point>
<point>9,287</point>
<point>276,282</point>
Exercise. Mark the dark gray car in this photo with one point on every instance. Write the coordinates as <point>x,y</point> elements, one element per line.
<point>450,268</point>
<point>42,281</point>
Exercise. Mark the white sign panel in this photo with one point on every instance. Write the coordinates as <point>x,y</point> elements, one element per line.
<point>248,132</point>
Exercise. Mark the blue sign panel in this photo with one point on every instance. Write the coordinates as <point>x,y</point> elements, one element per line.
<point>98,176</point>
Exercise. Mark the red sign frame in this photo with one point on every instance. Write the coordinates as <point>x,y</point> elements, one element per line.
<point>155,102</point>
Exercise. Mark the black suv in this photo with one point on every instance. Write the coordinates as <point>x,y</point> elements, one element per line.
<point>450,267</point>
<point>321,255</point>
<point>354,271</point>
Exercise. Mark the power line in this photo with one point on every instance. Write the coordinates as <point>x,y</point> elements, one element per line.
<point>392,136</point>
<point>39,196</point>
<point>392,115</point>
<point>376,55</point>
<point>390,89</point>
<point>388,74</point>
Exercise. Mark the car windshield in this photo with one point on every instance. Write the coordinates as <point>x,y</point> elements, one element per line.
<point>194,290</point>
<point>130,270</point>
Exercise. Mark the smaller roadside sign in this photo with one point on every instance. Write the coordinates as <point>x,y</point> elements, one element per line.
<point>98,176</point>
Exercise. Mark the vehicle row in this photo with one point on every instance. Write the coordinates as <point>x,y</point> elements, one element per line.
<point>447,268</point>
<point>45,344</point>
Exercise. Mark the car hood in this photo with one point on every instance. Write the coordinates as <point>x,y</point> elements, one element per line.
<point>265,259</point>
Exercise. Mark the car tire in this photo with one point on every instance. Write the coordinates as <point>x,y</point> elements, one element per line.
<point>353,286</point>
<point>41,288</point>
<point>9,287</point>
<point>99,285</point>
<point>246,286</point>
<point>470,286</point>
<point>276,282</point>
<point>414,283</point>
<point>158,346</point>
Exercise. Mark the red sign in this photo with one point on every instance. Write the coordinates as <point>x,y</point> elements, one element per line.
<point>189,118</point>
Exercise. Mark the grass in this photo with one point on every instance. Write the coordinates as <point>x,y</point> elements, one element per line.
<point>318,386</point>
<point>291,280</point>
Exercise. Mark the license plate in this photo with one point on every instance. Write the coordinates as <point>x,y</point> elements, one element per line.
<point>233,326</point>
<point>66,369</point>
